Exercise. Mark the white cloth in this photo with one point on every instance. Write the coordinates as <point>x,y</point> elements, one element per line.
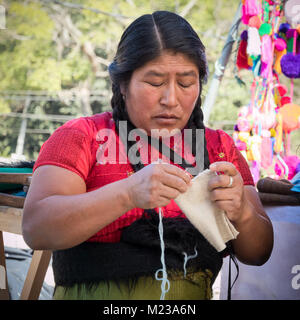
<point>206,217</point>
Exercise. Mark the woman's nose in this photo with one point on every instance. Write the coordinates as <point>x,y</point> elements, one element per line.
<point>169,97</point>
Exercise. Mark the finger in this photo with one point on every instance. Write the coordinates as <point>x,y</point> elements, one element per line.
<point>168,192</point>
<point>226,205</point>
<point>174,170</point>
<point>174,182</point>
<point>221,181</point>
<point>224,166</point>
<point>162,202</point>
<point>221,195</point>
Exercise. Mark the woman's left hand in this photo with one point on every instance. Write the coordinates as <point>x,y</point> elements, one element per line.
<point>227,190</point>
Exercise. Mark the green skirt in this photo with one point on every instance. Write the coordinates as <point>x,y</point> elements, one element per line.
<point>194,286</point>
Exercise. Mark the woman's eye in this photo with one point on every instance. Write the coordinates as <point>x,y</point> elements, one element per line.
<point>155,84</point>
<point>184,85</point>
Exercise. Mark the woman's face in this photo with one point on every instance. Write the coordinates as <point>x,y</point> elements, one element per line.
<point>162,93</point>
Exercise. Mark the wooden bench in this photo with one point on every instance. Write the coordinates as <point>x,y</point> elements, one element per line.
<point>11,209</point>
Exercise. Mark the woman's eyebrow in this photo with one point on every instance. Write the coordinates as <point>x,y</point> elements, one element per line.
<point>154,73</point>
<point>187,74</point>
<point>181,74</point>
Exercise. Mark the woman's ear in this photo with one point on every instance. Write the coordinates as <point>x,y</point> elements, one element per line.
<point>122,89</point>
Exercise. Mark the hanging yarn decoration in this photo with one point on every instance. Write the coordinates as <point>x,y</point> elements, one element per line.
<point>290,63</point>
<point>266,55</point>
<point>263,127</point>
<point>279,132</point>
<point>254,42</point>
<point>280,51</point>
<point>250,8</point>
<point>266,145</point>
<point>290,39</point>
<point>242,57</point>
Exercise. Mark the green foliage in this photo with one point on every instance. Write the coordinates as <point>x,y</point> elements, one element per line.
<point>43,49</point>
<point>4,106</point>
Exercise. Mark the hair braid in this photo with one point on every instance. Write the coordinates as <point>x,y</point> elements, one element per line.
<point>118,105</point>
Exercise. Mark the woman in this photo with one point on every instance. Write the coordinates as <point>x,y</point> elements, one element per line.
<point>100,219</point>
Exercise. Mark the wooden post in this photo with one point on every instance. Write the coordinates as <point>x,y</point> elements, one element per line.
<point>4,293</point>
<point>22,133</point>
<point>36,274</point>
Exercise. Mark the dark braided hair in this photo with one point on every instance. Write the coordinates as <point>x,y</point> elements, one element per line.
<point>143,41</point>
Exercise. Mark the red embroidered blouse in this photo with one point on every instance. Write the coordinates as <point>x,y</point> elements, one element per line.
<point>78,145</point>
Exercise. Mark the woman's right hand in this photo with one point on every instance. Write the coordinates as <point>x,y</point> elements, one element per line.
<point>156,184</point>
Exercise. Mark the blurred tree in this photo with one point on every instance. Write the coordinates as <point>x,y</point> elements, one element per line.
<point>63,48</point>
<point>56,45</point>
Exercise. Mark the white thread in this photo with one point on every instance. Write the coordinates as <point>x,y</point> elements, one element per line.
<point>187,258</point>
<point>164,279</point>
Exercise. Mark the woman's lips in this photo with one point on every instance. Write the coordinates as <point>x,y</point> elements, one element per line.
<point>166,119</point>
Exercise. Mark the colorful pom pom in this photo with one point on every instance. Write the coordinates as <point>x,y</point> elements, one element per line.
<point>284,27</point>
<point>282,89</point>
<point>285,100</point>
<point>290,113</point>
<point>273,132</point>
<point>244,35</point>
<point>290,33</point>
<point>265,28</point>
<point>291,162</point>
<point>241,145</point>
<point>290,65</point>
<point>255,22</point>
<point>280,44</point>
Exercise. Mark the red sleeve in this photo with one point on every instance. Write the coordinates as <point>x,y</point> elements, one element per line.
<point>234,156</point>
<point>69,147</point>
